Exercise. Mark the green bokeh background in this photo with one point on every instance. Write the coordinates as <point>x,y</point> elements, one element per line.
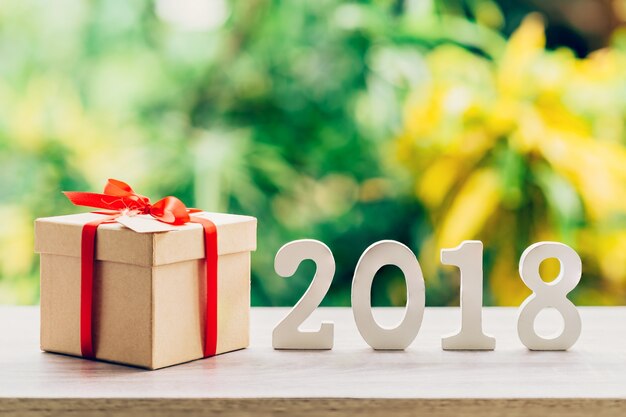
<point>284,110</point>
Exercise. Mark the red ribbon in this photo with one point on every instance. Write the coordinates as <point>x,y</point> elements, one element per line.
<point>119,198</point>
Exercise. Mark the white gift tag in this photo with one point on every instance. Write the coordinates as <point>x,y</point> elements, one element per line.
<point>144,224</point>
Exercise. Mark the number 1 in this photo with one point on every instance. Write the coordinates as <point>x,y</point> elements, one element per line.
<point>468,257</point>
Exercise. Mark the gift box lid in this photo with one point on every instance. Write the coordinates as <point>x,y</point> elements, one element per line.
<point>61,235</point>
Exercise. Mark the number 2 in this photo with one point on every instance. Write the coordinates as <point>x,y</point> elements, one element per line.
<point>287,334</point>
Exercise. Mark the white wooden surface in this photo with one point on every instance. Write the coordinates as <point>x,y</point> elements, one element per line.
<point>592,374</point>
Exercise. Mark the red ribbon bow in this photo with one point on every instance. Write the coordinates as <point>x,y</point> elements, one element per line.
<point>119,198</point>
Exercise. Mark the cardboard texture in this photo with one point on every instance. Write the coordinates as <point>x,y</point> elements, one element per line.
<point>149,289</point>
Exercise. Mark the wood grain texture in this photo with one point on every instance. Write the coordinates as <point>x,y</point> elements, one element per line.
<point>312,407</point>
<point>590,379</point>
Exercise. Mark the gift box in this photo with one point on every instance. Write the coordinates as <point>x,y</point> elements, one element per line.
<point>152,297</point>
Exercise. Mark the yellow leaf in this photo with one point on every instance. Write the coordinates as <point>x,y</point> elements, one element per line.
<point>525,44</point>
<point>471,208</point>
<point>437,181</point>
<point>506,285</point>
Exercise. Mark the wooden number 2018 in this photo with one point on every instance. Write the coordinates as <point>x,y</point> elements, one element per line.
<point>551,294</point>
<point>388,252</point>
<point>467,257</point>
<point>287,334</point>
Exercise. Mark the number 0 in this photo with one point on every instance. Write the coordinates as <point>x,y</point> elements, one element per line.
<point>388,252</point>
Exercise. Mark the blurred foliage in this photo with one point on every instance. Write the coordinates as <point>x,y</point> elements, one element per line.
<point>523,147</point>
<point>346,122</point>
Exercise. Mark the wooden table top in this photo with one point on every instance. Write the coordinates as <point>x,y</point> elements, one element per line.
<point>352,378</point>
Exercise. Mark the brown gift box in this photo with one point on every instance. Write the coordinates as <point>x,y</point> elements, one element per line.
<point>149,289</point>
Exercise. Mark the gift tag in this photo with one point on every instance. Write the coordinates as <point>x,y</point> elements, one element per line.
<point>142,223</point>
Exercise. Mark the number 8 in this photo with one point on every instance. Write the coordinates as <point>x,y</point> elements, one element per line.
<point>549,294</point>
